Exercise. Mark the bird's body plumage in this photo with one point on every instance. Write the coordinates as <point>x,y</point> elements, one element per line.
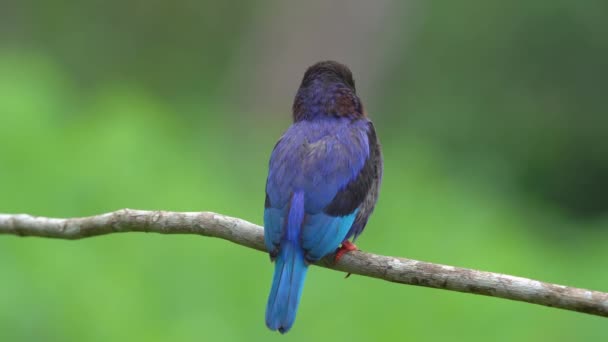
<point>322,185</point>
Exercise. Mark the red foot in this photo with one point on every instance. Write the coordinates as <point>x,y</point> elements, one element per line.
<point>346,247</point>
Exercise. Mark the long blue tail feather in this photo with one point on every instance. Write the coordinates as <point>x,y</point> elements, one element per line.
<point>289,272</point>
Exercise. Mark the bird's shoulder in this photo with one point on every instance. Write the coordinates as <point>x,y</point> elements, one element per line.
<point>308,141</point>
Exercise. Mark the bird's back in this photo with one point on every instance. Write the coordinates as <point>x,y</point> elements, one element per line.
<point>319,158</point>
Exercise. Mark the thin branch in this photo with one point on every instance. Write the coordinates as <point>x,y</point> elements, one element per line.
<point>399,270</point>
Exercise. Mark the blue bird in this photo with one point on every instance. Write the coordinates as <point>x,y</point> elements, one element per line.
<point>323,181</point>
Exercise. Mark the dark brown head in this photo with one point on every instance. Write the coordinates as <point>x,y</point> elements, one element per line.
<point>329,71</point>
<point>327,89</point>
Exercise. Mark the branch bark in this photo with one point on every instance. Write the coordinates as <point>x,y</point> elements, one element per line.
<point>394,269</point>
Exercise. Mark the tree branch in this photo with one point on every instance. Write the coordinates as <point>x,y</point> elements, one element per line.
<point>399,270</point>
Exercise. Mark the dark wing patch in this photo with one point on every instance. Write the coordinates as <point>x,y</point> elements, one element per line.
<point>354,193</point>
<point>367,207</point>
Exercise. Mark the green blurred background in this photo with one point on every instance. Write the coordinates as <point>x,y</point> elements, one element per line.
<point>491,113</point>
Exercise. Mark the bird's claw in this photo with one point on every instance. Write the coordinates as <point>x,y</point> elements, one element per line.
<point>346,247</point>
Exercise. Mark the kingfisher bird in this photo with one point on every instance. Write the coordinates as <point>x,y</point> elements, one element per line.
<point>322,186</point>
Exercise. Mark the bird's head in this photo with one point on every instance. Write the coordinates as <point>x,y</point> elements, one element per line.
<point>327,90</point>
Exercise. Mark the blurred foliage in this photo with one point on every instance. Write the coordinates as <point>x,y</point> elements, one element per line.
<point>492,134</point>
<point>522,82</point>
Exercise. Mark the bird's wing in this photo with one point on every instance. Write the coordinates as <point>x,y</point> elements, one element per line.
<point>334,172</point>
<point>372,171</point>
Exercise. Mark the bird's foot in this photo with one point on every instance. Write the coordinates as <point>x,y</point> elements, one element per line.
<point>346,247</point>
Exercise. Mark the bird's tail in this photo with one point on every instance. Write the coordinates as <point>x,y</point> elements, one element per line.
<point>289,272</point>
